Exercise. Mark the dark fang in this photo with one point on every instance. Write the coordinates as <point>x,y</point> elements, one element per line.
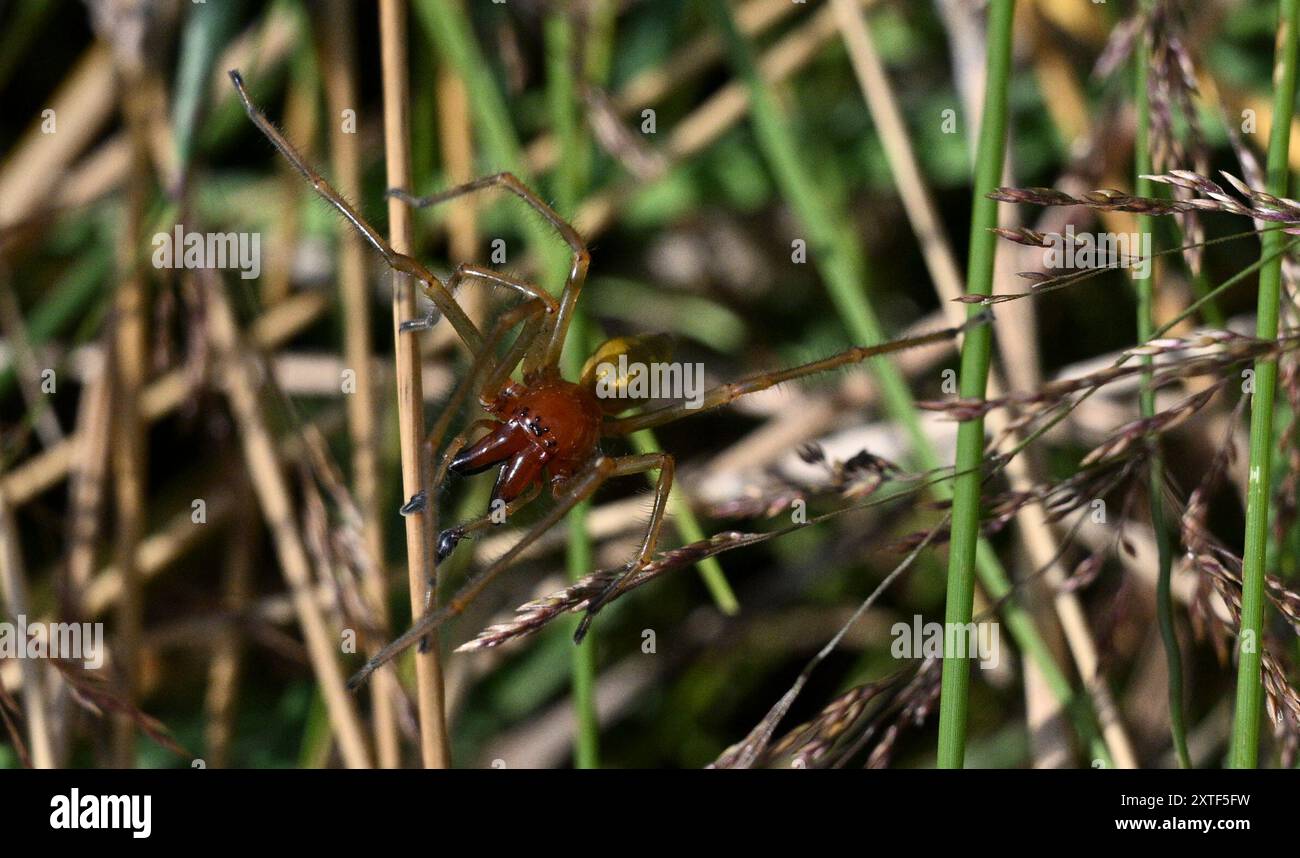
<point>417,503</point>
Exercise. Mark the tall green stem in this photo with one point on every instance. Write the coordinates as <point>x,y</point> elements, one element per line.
<point>561,97</point>
<point>975,354</point>
<point>835,250</point>
<point>1245,727</point>
<point>1144,284</point>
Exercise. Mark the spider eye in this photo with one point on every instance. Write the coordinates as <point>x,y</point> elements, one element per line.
<point>612,371</point>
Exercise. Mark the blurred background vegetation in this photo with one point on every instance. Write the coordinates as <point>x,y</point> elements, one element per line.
<point>691,232</point>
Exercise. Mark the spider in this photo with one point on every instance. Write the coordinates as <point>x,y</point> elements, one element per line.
<point>543,430</point>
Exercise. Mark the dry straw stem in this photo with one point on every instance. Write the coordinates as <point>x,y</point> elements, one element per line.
<point>456,143</point>
<point>435,750</point>
<point>1036,534</point>
<point>82,105</point>
<point>161,397</point>
<point>338,61</point>
<point>129,364</point>
<point>88,479</point>
<point>13,587</point>
<point>87,497</point>
<point>225,668</point>
<point>888,120</point>
<point>239,375</point>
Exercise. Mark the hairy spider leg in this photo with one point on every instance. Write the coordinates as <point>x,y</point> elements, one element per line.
<point>448,539</point>
<point>663,462</point>
<point>548,357</point>
<point>498,379</point>
<point>588,483</point>
<point>433,286</point>
<point>485,364</point>
<point>723,394</point>
<point>574,491</point>
<point>468,271</point>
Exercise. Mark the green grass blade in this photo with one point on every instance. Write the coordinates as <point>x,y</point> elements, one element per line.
<point>561,98</point>
<point>1245,727</point>
<point>1147,402</point>
<point>975,355</point>
<point>79,288</point>
<point>834,249</point>
<point>207,27</point>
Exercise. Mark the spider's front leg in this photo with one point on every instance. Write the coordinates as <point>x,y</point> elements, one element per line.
<point>433,287</point>
<point>468,271</point>
<point>448,539</point>
<point>580,487</point>
<point>549,349</point>
<point>624,465</point>
<point>484,377</point>
<point>451,537</point>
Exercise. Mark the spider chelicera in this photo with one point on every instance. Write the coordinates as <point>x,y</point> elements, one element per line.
<point>542,430</point>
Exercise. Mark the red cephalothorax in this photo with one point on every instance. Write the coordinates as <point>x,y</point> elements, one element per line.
<point>551,425</point>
